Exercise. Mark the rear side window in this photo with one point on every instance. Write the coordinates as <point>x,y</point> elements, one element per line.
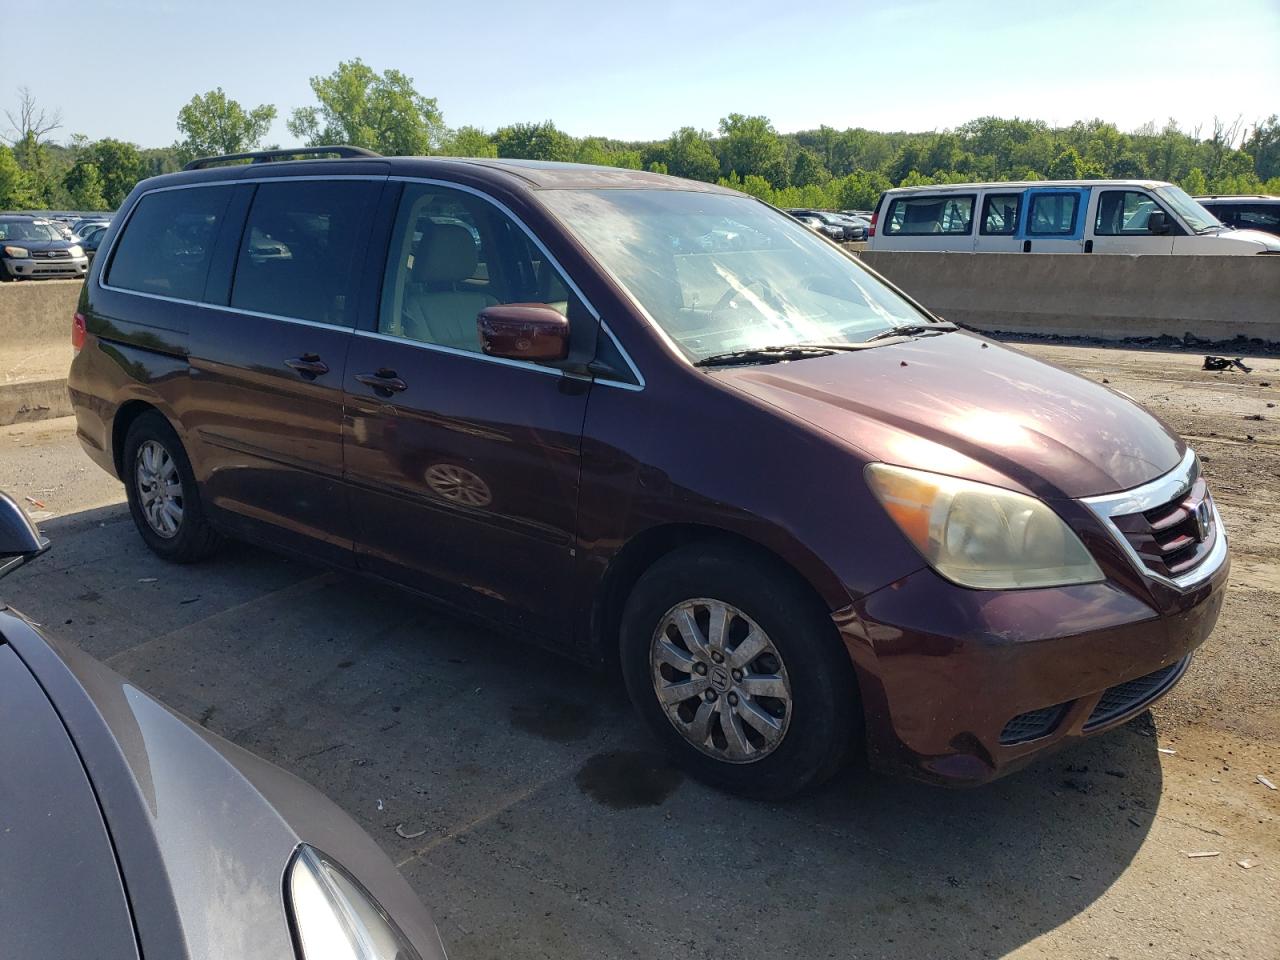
<point>1053,214</point>
<point>167,244</point>
<point>1000,214</point>
<point>922,216</point>
<point>301,247</point>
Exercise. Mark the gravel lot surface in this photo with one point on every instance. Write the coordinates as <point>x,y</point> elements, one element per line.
<point>552,828</point>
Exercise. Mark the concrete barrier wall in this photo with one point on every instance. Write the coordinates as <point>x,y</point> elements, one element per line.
<point>37,311</point>
<point>1112,297</point>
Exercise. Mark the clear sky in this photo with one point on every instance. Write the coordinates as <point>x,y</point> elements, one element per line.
<point>640,69</point>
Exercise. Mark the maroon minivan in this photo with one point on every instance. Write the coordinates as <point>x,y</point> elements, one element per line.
<point>652,423</point>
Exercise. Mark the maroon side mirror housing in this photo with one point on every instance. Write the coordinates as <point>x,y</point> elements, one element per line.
<point>523,331</point>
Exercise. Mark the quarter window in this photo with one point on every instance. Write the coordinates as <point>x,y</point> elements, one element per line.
<point>1000,214</point>
<point>1053,214</point>
<point>167,244</point>
<point>301,249</point>
<point>1123,213</point>
<point>453,254</point>
<point>923,216</point>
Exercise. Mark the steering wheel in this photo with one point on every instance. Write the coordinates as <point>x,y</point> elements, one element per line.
<point>766,292</point>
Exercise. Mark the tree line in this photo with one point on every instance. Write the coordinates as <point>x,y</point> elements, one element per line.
<point>826,168</point>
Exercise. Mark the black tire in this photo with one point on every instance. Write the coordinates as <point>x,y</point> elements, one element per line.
<point>194,539</point>
<point>824,716</point>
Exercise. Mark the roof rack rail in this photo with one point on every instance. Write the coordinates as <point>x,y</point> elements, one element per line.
<point>267,156</point>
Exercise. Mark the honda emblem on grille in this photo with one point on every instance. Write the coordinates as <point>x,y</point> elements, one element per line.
<point>1204,516</point>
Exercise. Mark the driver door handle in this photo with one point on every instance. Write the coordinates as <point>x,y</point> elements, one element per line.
<point>384,382</point>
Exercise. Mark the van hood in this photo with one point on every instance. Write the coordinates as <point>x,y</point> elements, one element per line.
<point>1269,241</point>
<point>961,405</point>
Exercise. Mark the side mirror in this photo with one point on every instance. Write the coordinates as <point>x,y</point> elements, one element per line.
<point>1158,222</point>
<point>523,331</point>
<point>19,538</point>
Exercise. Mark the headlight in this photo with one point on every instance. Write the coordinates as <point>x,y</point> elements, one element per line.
<point>18,253</point>
<point>335,918</point>
<point>75,250</point>
<point>982,536</point>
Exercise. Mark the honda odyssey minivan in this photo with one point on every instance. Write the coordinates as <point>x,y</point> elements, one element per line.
<point>806,519</point>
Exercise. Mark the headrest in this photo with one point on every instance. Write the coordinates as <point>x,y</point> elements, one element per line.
<point>446,254</point>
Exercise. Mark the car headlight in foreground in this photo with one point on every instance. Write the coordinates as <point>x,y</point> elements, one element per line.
<point>335,918</point>
<point>982,536</point>
<point>76,250</point>
<point>18,253</point>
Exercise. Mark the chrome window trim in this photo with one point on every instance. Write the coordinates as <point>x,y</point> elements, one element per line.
<point>1156,493</point>
<point>105,258</point>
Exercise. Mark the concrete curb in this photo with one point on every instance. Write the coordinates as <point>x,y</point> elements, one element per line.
<point>34,400</point>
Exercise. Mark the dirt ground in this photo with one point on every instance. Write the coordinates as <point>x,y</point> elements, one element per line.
<point>554,830</point>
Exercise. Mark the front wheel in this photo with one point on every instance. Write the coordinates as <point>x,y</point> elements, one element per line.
<point>163,497</point>
<point>738,671</point>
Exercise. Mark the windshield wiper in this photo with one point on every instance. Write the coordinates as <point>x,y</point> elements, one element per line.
<point>912,330</point>
<point>796,351</point>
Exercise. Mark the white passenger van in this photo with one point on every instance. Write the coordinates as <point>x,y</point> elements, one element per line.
<point>1057,216</point>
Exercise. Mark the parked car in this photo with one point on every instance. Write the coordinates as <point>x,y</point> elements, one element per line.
<point>833,231</point>
<point>91,238</point>
<point>32,248</point>
<point>176,842</point>
<point>81,227</point>
<point>804,516</point>
<point>844,229</point>
<point>1067,216</point>
<point>1257,212</point>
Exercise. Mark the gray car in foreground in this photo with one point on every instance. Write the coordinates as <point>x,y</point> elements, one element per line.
<point>128,832</point>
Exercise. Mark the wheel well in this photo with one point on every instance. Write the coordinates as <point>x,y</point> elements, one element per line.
<point>646,549</point>
<point>129,411</point>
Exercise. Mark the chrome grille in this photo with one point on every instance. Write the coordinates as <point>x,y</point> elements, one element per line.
<point>1173,538</point>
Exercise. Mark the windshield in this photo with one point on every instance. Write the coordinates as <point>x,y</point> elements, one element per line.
<point>721,273</point>
<point>1195,216</point>
<point>27,230</point>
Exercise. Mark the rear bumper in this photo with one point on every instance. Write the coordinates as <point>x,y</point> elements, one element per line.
<point>963,686</point>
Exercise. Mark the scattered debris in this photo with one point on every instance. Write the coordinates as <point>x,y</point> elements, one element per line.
<point>1265,782</point>
<point>1074,876</point>
<point>1255,416</point>
<point>902,363</point>
<point>148,579</point>
<point>380,806</point>
<point>1247,863</point>
<point>1168,750</point>
<point>189,600</point>
<point>35,503</point>
<point>1135,822</point>
<point>1116,773</point>
<point>406,835</point>
<point>1197,854</point>
<point>1225,363</point>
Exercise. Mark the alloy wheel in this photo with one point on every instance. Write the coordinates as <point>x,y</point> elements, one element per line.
<point>720,680</point>
<point>159,488</point>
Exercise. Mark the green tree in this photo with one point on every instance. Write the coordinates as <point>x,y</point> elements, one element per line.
<point>84,184</point>
<point>808,169</point>
<point>214,124</point>
<point>120,167</point>
<point>688,153</point>
<point>534,141</point>
<point>1195,183</point>
<point>468,142</point>
<point>381,112</point>
<point>1264,145</point>
<point>751,147</point>
<point>16,192</point>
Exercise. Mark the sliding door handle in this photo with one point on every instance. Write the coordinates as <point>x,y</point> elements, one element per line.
<point>308,366</point>
<point>384,383</point>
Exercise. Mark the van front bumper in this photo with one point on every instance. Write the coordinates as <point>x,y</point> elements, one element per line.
<point>962,686</point>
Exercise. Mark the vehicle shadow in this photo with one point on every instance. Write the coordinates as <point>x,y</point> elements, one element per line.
<point>529,808</point>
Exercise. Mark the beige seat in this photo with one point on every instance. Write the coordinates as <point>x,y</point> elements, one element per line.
<point>437,308</point>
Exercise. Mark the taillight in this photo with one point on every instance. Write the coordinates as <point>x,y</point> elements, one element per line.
<point>875,216</point>
<point>78,332</point>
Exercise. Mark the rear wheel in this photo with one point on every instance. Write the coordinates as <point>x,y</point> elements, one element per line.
<point>163,497</point>
<point>738,671</point>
